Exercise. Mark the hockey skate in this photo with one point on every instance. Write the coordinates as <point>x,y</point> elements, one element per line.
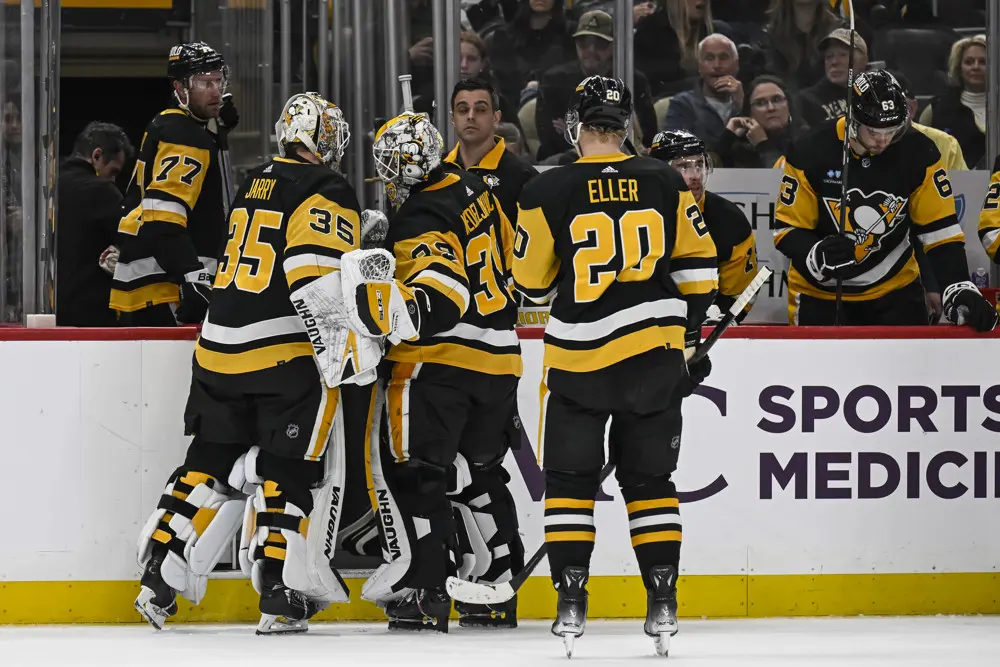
<point>156,600</point>
<point>571,609</point>
<point>661,607</point>
<point>424,609</point>
<point>502,615</point>
<point>284,610</point>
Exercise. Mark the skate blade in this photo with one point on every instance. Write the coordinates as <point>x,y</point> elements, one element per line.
<point>153,614</point>
<point>568,641</point>
<point>281,625</point>
<point>662,644</point>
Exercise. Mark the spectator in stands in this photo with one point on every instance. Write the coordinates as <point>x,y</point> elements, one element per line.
<point>535,40</point>
<point>666,44</point>
<point>961,112</point>
<point>760,140</point>
<point>513,141</point>
<point>89,211</point>
<point>795,29</point>
<point>706,110</point>
<point>828,99</point>
<point>951,151</point>
<point>594,38</point>
<point>474,64</point>
<point>479,150</point>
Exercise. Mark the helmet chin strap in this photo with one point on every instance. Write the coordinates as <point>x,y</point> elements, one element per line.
<point>184,105</point>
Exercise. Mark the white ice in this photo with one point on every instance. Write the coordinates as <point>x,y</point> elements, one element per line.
<point>851,642</point>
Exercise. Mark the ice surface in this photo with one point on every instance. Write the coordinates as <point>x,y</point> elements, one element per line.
<point>851,642</point>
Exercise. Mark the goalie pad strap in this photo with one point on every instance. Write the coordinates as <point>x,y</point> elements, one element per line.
<point>276,520</point>
<point>178,506</point>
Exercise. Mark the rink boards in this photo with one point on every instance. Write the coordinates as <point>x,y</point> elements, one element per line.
<point>818,476</point>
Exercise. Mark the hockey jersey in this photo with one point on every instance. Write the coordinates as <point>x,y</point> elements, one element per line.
<point>622,249</point>
<point>989,218</point>
<point>174,213</point>
<point>734,247</point>
<point>452,241</point>
<point>290,224</point>
<point>903,189</point>
<point>504,174</point>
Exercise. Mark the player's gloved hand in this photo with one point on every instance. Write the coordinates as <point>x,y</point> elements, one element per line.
<point>374,227</point>
<point>695,375</point>
<point>831,257</point>
<point>196,293</point>
<point>108,260</point>
<point>229,115</point>
<point>963,304</point>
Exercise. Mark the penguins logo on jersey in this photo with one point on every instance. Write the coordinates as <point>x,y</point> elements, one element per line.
<point>491,180</point>
<point>870,218</point>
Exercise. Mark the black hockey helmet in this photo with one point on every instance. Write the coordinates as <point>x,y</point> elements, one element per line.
<point>879,101</point>
<point>187,60</point>
<point>604,102</point>
<point>675,144</point>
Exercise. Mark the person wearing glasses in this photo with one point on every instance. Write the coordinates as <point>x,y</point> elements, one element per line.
<point>760,139</point>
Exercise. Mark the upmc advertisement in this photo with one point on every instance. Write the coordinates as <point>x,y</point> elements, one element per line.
<point>822,456</point>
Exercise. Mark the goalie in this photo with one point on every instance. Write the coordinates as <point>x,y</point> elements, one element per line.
<point>450,409</point>
<point>264,399</point>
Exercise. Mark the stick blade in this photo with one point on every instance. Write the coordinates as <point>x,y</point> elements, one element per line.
<point>473,593</point>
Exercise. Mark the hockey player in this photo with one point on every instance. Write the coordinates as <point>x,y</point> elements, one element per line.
<point>262,405</point>
<point>622,245</point>
<point>896,184</point>
<point>728,226</point>
<point>451,390</point>
<point>175,208</point>
<point>989,218</point>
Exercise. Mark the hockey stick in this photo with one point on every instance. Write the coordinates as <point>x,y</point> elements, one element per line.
<point>846,158</point>
<point>734,311</point>
<point>473,593</point>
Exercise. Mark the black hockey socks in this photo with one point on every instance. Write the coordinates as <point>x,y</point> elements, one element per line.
<point>569,519</point>
<point>654,523</point>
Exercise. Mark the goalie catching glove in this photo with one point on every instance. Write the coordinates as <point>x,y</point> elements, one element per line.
<point>963,304</point>
<point>378,304</point>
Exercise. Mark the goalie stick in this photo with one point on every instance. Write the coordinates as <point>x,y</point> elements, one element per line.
<point>475,593</point>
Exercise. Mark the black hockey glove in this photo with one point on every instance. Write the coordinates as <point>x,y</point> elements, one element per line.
<point>831,257</point>
<point>229,115</point>
<point>963,304</point>
<point>196,293</point>
<point>695,375</point>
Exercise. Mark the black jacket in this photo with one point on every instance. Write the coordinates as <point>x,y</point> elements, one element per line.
<point>89,211</point>
<point>738,153</point>
<point>822,102</point>
<point>555,93</point>
<point>949,114</point>
<point>658,54</point>
<point>503,172</point>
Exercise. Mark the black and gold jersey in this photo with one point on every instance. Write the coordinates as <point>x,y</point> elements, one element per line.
<point>620,246</point>
<point>505,175</point>
<point>905,186</point>
<point>291,222</point>
<point>734,246</point>
<point>989,218</point>
<point>174,213</point>
<point>452,242</point>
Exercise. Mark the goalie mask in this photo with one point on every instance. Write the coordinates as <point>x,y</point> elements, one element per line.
<point>407,149</point>
<point>315,123</point>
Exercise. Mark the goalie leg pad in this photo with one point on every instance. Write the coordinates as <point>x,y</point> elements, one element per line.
<point>416,541</point>
<point>195,520</point>
<point>488,528</point>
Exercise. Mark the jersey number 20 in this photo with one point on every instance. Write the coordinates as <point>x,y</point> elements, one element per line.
<point>625,250</point>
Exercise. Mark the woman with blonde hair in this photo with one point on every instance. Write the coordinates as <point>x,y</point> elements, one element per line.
<point>961,111</point>
<point>666,43</point>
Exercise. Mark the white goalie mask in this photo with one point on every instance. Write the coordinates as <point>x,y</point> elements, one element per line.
<point>316,123</point>
<point>407,149</point>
